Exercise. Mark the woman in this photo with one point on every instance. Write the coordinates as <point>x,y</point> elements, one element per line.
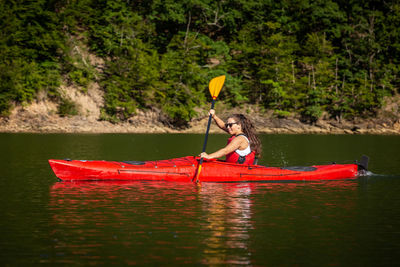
<point>243,146</point>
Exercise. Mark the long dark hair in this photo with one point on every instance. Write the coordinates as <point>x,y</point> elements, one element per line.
<point>250,131</point>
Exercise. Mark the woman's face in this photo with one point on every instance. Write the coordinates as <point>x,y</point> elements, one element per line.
<point>233,126</point>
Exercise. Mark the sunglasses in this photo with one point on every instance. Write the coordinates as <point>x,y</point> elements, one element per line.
<point>230,124</point>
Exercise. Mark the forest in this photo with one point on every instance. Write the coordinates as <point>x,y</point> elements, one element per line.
<point>294,57</point>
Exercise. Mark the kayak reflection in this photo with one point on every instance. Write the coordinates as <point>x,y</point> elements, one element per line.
<point>122,222</point>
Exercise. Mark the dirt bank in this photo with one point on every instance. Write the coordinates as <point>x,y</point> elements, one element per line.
<point>41,117</point>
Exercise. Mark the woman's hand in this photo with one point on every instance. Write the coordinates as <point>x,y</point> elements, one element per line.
<point>205,155</point>
<point>212,113</point>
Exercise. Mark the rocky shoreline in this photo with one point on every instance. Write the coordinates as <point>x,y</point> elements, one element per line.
<point>41,116</point>
<point>28,120</point>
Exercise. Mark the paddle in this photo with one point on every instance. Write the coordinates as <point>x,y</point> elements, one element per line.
<point>215,87</point>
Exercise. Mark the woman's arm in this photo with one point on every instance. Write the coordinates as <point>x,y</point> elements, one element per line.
<point>232,146</point>
<point>220,123</point>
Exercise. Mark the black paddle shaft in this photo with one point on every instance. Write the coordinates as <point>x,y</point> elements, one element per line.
<point>208,129</point>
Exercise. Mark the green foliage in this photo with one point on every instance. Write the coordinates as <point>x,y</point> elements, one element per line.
<point>306,57</point>
<point>129,81</point>
<point>282,113</point>
<point>67,107</point>
<point>81,77</point>
<point>29,44</point>
<point>183,79</point>
<point>312,113</point>
<point>233,92</point>
<point>76,65</point>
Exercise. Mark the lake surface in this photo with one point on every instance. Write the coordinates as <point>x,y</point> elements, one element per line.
<point>346,223</point>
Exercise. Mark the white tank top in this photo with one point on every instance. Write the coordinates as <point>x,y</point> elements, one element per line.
<point>245,151</point>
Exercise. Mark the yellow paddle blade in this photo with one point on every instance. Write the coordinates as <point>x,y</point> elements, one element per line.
<point>215,85</point>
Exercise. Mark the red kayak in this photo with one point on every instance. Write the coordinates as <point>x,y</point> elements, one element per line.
<point>184,170</point>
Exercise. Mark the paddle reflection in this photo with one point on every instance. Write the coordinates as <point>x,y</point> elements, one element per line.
<point>227,221</point>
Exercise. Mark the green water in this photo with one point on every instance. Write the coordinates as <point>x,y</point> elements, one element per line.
<point>345,223</point>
